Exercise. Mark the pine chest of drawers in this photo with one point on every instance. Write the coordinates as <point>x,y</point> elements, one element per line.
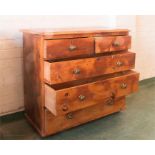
<point>73,76</point>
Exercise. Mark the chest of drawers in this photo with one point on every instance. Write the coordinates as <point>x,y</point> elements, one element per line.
<point>73,76</point>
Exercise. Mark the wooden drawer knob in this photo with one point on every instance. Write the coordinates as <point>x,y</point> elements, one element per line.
<point>82,97</point>
<point>72,47</point>
<point>119,63</point>
<point>69,116</point>
<point>123,85</point>
<point>76,71</point>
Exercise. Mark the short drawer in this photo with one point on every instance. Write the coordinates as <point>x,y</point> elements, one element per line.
<point>68,48</point>
<point>65,71</point>
<point>56,124</point>
<point>111,44</point>
<point>61,99</point>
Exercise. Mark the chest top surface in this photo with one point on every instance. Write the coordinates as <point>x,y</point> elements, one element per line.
<point>76,32</point>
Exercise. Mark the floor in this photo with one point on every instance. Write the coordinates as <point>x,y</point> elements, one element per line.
<point>136,122</point>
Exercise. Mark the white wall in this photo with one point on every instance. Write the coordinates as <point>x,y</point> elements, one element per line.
<point>10,25</point>
<point>143,42</point>
<point>145,46</point>
<point>11,78</point>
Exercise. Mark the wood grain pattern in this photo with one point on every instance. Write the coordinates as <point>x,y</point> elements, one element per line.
<point>57,33</point>
<point>84,82</point>
<point>56,124</point>
<point>111,44</point>
<point>64,71</point>
<point>67,48</point>
<point>33,81</point>
<point>64,100</point>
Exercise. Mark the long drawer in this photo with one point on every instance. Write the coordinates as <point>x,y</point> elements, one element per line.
<point>56,124</point>
<point>64,71</point>
<point>61,99</point>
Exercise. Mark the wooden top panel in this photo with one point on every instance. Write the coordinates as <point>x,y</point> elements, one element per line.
<point>75,32</point>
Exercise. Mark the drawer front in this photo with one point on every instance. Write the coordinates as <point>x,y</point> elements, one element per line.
<point>67,48</point>
<point>65,100</point>
<point>65,71</point>
<point>82,116</point>
<point>111,44</point>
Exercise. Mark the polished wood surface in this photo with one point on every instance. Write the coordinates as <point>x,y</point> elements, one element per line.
<point>56,124</point>
<point>111,44</point>
<point>64,100</point>
<point>55,33</point>
<point>33,80</point>
<point>75,75</point>
<point>66,48</point>
<point>64,71</point>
